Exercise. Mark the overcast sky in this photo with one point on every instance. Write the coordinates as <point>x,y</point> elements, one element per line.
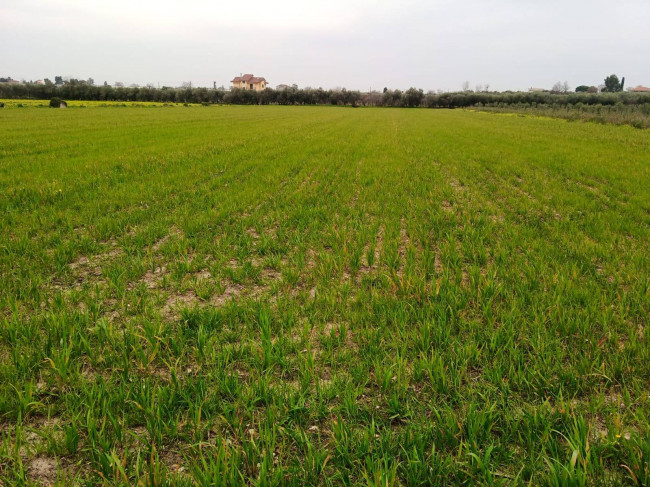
<point>358,44</point>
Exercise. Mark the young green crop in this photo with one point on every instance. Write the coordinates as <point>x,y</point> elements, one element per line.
<point>322,296</point>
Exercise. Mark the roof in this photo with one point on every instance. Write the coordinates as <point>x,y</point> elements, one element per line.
<point>248,78</point>
<point>640,88</point>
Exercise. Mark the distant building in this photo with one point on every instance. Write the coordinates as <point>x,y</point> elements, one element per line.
<point>9,81</point>
<point>249,82</point>
<point>640,89</point>
<point>282,87</point>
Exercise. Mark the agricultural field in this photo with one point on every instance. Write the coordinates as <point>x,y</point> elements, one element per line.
<point>233,295</point>
<point>11,103</point>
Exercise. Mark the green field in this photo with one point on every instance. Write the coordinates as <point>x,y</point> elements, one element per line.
<point>322,296</point>
<point>11,103</point>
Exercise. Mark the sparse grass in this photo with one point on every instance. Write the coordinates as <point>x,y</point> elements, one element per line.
<point>637,116</point>
<point>322,296</point>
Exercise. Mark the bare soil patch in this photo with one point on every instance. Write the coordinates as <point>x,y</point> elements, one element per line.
<point>43,470</point>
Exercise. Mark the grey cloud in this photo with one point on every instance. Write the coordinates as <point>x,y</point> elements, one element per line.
<point>432,45</point>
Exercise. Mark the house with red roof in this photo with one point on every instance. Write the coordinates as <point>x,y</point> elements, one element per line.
<point>640,89</point>
<point>249,82</point>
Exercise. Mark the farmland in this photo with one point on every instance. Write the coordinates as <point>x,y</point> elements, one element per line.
<point>273,295</point>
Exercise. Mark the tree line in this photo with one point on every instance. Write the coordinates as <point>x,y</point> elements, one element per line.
<point>412,97</point>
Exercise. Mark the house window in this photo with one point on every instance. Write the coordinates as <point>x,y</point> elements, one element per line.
<point>251,86</point>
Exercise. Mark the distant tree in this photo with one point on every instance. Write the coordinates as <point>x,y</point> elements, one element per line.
<point>413,97</point>
<point>592,89</point>
<point>371,99</point>
<point>90,81</point>
<point>385,89</point>
<point>58,80</point>
<point>582,89</point>
<point>612,84</point>
<point>388,98</point>
<point>622,83</point>
<point>560,87</point>
<point>466,86</point>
